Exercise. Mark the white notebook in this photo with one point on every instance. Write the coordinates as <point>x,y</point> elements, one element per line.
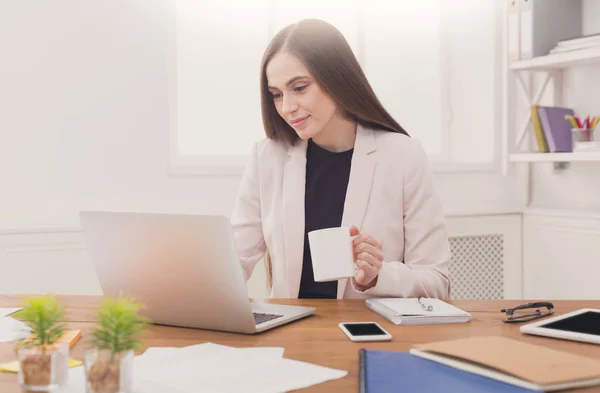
<point>417,311</point>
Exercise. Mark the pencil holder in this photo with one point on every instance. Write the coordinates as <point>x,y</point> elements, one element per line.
<point>582,134</point>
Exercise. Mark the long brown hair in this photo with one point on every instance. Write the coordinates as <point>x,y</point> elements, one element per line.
<point>330,60</point>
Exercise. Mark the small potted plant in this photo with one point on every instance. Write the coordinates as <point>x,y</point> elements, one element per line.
<point>109,364</point>
<point>43,361</point>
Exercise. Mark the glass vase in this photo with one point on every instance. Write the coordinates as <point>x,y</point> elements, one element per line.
<point>43,369</point>
<point>104,374</point>
<point>582,134</point>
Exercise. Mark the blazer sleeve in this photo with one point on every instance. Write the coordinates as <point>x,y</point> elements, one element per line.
<point>424,271</point>
<point>246,217</point>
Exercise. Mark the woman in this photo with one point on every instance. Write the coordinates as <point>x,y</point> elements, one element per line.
<point>334,157</point>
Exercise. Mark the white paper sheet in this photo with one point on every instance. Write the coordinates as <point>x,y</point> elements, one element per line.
<point>155,359</point>
<point>76,384</point>
<point>7,311</point>
<point>213,368</point>
<point>222,369</point>
<point>12,330</point>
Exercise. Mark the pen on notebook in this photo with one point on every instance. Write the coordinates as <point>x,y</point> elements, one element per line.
<point>426,307</point>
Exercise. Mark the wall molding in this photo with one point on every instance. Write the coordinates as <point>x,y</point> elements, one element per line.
<point>37,229</point>
<point>571,221</point>
<point>547,248</point>
<point>46,260</point>
<point>451,210</point>
<point>581,214</point>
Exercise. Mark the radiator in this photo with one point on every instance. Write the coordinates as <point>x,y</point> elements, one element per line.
<point>477,267</point>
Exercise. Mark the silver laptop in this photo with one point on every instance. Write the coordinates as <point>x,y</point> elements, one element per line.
<point>184,268</point>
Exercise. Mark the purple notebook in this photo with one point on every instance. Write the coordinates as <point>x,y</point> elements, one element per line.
<point>557,129</point>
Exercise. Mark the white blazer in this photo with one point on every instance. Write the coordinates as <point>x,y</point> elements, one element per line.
<point>390,196</point>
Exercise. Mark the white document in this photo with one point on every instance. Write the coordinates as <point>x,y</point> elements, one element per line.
<point>76,384</point>
<point>216,368</point>
<point>7,311</point>
<point>213,368</point>
<point>285,376</point>
<point>12,330</point>
<point>157,359</point>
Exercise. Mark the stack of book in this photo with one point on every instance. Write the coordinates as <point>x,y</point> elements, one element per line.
<point>585,42</point>
<point>475,365</point>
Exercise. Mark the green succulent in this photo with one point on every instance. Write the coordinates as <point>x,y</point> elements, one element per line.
<point>42,314</point>
<point>119,327</point>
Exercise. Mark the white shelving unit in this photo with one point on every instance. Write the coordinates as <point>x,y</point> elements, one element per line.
<point>551,66</point>
<point>555,157</point>
<point>558,61</point>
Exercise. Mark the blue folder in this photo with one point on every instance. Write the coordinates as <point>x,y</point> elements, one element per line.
<point>393,371</point>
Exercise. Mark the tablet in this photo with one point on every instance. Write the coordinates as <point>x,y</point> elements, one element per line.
<point>581,325</point>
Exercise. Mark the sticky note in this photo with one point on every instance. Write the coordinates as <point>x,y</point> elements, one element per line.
<point>13,367</point>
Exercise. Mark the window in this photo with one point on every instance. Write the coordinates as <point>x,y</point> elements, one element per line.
<point>433,64</point>
<point>403,63</point>
<point>473,48</point>
<point>219,46</point>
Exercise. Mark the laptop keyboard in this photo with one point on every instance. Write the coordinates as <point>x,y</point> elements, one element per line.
<point>264,317</point>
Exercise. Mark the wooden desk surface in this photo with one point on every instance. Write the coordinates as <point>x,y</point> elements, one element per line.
<point>317,339</point>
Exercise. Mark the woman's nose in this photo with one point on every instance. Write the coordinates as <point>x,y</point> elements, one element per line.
<point>289,105</point>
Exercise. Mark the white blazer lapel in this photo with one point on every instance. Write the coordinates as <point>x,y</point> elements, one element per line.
<point>359,184</point>
<point>294,179</point>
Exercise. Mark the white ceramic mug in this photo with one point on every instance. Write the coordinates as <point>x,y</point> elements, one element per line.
<point>331,253</point>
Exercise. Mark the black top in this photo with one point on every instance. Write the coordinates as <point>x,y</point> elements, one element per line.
<point>327,176</point>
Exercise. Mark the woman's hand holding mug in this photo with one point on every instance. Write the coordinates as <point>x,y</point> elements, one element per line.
<point>368,257</point>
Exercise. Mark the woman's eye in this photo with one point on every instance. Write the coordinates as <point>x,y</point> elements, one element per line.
<point>276,95</point>
<point>301,88</point>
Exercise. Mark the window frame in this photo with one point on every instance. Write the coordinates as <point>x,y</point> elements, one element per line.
<point>234,165</point>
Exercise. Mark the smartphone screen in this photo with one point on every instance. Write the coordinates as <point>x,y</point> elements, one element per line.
<point>364,329</point>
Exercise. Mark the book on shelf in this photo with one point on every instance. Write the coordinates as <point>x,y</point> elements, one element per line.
<point>542,144</point>
<point>555,128</point>
<point>584,42</point>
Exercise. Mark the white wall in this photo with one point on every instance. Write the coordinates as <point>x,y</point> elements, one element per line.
<point>85,120</point>
<point>85,125</point>
<point>84,113</point>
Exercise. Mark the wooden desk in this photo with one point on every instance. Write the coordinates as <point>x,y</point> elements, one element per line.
<point>318,339</point>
